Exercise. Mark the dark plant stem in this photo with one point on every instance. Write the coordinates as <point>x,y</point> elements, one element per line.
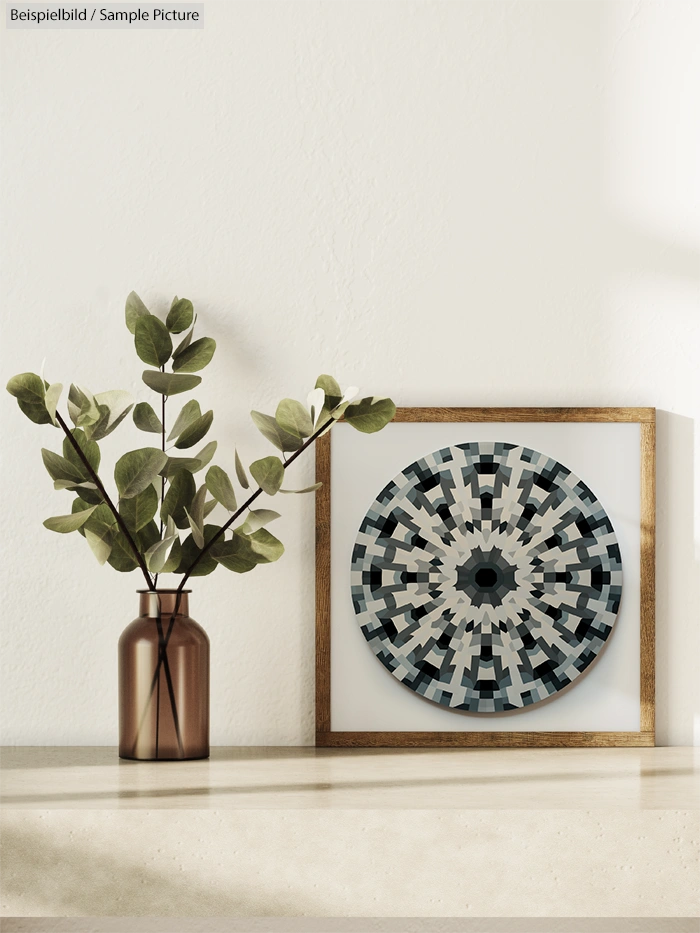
<point>162,659</point>
<point>224,528</point>
<point>162,648</point>
<point>98,482</point>
<point>162,479</point>
<point>162,644</point>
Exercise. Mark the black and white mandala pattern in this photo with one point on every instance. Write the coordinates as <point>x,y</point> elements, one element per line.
<point>486,577</point>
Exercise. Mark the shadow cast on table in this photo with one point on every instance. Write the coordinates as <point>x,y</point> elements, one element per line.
<point>325,787</point>
<point>20,757</point>
<point>78,879</point>
<point>352,925</point>
<point>36,758</point>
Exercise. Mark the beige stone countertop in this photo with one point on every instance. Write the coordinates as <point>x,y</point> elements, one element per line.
<point>304,832</point>
<point>299,778</point>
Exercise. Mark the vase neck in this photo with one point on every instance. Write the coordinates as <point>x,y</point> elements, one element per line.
<point>149,603</point>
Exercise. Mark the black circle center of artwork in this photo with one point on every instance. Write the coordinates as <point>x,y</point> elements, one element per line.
<point>486,577</point>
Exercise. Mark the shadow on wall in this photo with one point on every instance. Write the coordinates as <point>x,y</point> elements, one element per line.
<point>84,880</point>
<point>675,560</point>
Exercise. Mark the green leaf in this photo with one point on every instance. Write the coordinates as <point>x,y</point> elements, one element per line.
<point>101,518</point>
<point>292,417</point>
<point>134,310</point>
<point>64,524</point>
<point>138,510</point>
<point>27,386</point>
<point>370,414</point>
<point>157,555</point>
<point>92,497</point>
<point>276,435</point>
<point>89,448</point>
<point>51,399</point>
<point>70,484</point>
<point>196,516</point>
<point>298,492</point>
<point>180,315</point>
<point>188,415</point>
<point>137,469</point>
<point>113,406</point>
<point>178,498</point>
<point>339,411</point>
<point>82,407</point>
<point>235,554</point>
<point>121,557</point>
<point>175,464</point>
<point>35,411</point>
<point>197,532</point>
<point>266,547</point>
<point>209,507</point>
<point>174,558</point>
<point>190,552</point>
<point>205,454</point>
<point>193,464</point>
<point>152,340</point>
<point>29,390</point>
<point>240,472</point>
<point>79,505</point>
<point>333,397</point>
<point>219,485</point>
<point>242,552</point>
<point>333,391</point>
<point>195,432</point>
<point>60,468</point>
<point>100,542</point>
<point>186,341</point>
<point>169,383</point>
<point>147,537</point>
<point>146,419</point>
<point>268,473</point>
<point>68,481</point>
<point>315,401</point>
<point>96,430</point>
<point>194,357</point>
<point>257,518</point>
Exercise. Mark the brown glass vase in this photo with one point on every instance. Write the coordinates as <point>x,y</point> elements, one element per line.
<point>163,682</point>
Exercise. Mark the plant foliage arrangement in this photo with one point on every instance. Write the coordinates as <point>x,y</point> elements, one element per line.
<point>157,522</point>
<point>162,491</point>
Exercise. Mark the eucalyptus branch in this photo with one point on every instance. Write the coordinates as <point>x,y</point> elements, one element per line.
<point>224,528</point>
<point>98,482</point>
<point>162,479</point>
<point>219,534</point>
<point>168,679</point>
<point>137,471</point>
<point>162,659</point>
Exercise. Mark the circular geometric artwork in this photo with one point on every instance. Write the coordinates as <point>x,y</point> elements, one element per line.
<point>486,577</point>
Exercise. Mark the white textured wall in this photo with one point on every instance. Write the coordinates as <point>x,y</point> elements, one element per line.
<point>473,203</point>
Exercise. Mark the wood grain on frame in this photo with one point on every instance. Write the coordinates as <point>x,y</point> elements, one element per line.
<point>484,739</point>
<point>323,586</point>
<point>647,577</point>
<point>325,737</point>
<point>636,415</point>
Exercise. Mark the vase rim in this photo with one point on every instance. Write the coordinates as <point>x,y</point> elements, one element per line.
<point>164,590</point>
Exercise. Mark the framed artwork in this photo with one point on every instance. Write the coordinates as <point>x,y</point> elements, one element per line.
<point>485,577</point>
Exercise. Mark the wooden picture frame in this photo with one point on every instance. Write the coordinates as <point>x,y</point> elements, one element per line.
<point>327,737</point>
